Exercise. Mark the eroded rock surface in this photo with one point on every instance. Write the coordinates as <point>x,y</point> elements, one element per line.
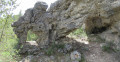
<point>80,52</point>
<point>100,17</point>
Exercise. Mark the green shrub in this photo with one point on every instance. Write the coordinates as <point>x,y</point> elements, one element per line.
<point>31,36</point>
<point>53,47</point>
<point>79,32</point>
<point>109,47</point>
<point>82,59</point>
<point>8,42</point>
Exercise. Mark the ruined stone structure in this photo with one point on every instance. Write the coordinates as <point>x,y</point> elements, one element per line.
<point>100,17</point>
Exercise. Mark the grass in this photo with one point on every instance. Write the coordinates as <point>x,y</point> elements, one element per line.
<point>53,48</point>
<point>82,59</point>
<point>79,32</point>
<point>109,47</point>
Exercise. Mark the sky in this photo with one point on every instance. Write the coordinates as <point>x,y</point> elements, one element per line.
<point>25,4</point>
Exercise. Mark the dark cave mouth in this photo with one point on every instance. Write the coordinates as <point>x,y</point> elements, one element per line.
<point>98,30</point>
<point>95,25</point>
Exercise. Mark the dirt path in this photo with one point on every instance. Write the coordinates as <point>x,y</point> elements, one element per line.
<point>91,51</point>
<point>95,54</point>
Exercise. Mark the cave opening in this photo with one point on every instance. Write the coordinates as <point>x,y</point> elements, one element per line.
<point>95,25</point>
<point>97,30</point>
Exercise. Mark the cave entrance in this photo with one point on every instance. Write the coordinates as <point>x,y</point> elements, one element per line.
<point>95,25</point>
<point>97,30</point>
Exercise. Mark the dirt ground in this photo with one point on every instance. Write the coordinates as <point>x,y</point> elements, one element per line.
<point>91,51</point>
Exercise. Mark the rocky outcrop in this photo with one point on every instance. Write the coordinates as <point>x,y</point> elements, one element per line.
<point>100,18</point>
<point>43,58</point>
<point>75,56</point>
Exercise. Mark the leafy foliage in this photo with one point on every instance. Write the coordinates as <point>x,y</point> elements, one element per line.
<point>7,6</point>
<point>53,48</point>
<point>31,36</point>
<point>79,32</point>
<point>109,47</point>
<point>82,59</point>
<point>8,39</point>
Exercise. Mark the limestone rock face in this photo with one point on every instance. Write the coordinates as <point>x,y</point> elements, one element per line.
<point>101,17</point>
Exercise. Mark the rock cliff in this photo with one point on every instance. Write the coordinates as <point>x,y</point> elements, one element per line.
<point>99,17</point>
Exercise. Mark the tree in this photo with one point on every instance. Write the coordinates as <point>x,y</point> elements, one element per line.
<point>7,6</point>
<point>8,40</point>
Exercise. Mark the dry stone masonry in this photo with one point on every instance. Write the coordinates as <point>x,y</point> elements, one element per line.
<point>100,17</point>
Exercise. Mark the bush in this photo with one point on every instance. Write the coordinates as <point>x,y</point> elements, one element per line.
<point>53,48</point>
<point>8,41</point>
<point>31,36</point>
<point>109,47</point>
<point>79,32</point>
